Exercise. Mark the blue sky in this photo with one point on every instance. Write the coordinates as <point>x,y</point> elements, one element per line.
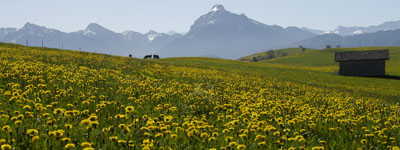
<point>178,15</point>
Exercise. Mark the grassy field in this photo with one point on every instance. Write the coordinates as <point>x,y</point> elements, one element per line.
<point>325,59</point>
<point>57,99</point>
<point>289,51</point>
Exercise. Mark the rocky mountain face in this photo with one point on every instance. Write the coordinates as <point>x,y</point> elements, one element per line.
<point>221,33</point>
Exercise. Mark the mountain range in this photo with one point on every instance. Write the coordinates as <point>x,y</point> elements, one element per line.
<point>386,26</point>
<point>93,38</point>
<point>218,33</point>
<point>380,38</point>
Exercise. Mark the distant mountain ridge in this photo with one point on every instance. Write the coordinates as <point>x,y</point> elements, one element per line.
<point>390,25</point>
<point>94,38</point>
<point>380,38</point>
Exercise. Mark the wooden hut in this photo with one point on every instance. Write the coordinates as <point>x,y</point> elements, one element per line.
<point>362,63</point>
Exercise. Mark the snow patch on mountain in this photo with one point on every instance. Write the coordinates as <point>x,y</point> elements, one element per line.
<point>88,32</point>
<point>217,8</point>
<point>358,32</point>
<point>212,21</point>
<point>151,35</point>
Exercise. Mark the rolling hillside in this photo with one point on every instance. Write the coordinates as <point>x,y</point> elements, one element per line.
<point>325,59</point>
<point>288,51</point>
<point>58,99</point>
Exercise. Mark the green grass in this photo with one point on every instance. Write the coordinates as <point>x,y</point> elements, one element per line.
<point>315,68</point>
<point>69,98</point>
<point>289,51</point>
<point>325,59</point>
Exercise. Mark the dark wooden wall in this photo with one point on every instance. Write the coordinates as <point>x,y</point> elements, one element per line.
<point>362,68</point>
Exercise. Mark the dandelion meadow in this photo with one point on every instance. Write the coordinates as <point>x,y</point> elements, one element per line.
<point>56,99</point>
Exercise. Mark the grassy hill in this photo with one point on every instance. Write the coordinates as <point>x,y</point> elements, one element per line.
<point>58,99</point>
<point>325,59</point>
<point>288,51</point>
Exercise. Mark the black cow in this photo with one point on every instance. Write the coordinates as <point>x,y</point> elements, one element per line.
<point>130,55</point>
<point>147,57</point>
<point>156,57</point>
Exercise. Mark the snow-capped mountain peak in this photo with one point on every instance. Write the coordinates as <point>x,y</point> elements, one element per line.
<point>218,7</point>
<point>219,16</point>
<point>151,35</point>
<point>96,29</point>
<point>33,29</point>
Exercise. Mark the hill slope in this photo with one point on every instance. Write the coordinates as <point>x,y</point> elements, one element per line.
<point>57,99</point>
<point>325,59</point>
<point>278,53</point>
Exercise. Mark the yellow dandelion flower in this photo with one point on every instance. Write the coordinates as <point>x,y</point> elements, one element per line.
<point>159,135</point>
<point>146,148</point>
<point>35,138</point>
<point>131,143</point>
<point>2,141</point>
<point>228,138</point>
<point>18,122</point>
<point>121,142</point>
<point>121,125</point>
<point>317,148</point>
<point>203,135</point>
<point>85,122</point>
<point>68,126</point>
<point>5,128</point>
<point>262,143</point>
<point>168,118</point>
<point>302,140</point>
<point>364,141</point>
<point>6,147</point>
<point>241,146</point>
<point>32,132</point>
<point>277,133</point>
<point>129,109</point>
<point>69,146</point>
<point>86,144</point>
<point>243,135</point>
<point>232,143</point>
<point>65,139</point>
<point>113,138</point>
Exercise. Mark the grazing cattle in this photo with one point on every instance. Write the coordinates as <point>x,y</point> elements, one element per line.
<point>147,57</point>
<point>151,57</point>
<point>130,55</point>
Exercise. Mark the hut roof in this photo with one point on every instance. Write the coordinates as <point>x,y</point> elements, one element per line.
<point>362,55</point>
